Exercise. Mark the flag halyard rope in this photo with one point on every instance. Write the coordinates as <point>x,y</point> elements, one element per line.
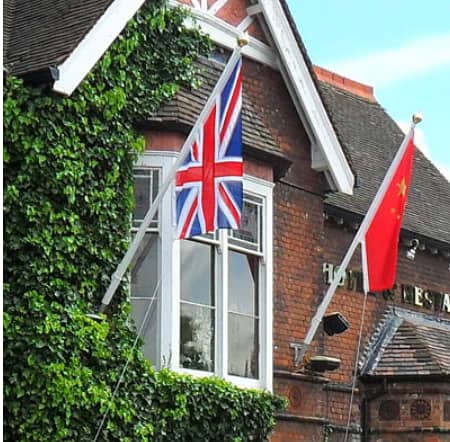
<point>122,374</point>
<point>355,370</point>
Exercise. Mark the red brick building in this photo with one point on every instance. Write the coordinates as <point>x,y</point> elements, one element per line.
<point>236,304</point>
<point>403,369</point>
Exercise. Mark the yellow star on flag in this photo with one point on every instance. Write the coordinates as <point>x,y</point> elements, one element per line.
<point>402,187</point>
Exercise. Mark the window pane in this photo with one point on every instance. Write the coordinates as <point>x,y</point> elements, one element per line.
<point>197,337</point>
<point>243,346</point>
<point>197,272</point>
<point>144,294</point>
<point>243,334</point>
<point>249,233</point>
<point>146,186</point>
<point>141,196</point>
<point>144,271</point>
<point>243,283</point>
<point>149,333</point>
<point>155,184</point>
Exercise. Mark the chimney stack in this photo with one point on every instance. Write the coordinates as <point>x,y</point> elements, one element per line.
<point>360,89</point>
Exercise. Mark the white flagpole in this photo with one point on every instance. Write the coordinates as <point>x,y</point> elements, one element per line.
<point>117,276</point>
<point>359,237</point>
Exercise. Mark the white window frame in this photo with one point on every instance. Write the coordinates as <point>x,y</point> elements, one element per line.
<point>169,313</point>
<point>152,229</point>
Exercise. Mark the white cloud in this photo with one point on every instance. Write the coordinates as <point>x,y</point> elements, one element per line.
<point>388,66</point>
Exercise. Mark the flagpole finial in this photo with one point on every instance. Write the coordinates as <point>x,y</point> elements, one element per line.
<point>243,39</point>
<point>417,118</point>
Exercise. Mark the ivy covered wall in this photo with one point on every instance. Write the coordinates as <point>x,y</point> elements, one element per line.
<point>67,202</point>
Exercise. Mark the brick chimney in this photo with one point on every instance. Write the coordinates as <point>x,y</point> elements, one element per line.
<point>360,89</point>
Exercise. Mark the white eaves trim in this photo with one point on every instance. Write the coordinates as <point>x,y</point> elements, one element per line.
<point>80,62</point>
<point>94,44</point>
<point>304,87</point>
<point>226,35</point>
<point>84,57</point>
<point>217,6</point>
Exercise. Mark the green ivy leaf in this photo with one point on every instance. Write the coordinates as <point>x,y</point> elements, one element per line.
<point>67,201</point>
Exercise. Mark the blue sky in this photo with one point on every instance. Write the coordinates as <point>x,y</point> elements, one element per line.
<point>400,47</point>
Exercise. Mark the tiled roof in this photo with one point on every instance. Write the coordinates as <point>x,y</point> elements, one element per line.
<point>42,33</point>
<point>187,104</point>
<point>371,138</point>
<point>408,344</point>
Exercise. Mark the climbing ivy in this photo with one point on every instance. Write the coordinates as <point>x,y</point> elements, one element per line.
<point>67,203</point>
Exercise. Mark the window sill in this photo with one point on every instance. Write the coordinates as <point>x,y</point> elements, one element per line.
<point>235,380</point>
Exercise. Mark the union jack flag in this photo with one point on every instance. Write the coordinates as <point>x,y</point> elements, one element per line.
<point>209,182</point>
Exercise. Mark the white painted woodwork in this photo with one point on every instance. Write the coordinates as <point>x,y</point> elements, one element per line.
<point>254,9</point>
<point>217,6</point>
<point>287,57</point>
<point>94,44</point>
<point>244,24</point>
<point>305,89</point>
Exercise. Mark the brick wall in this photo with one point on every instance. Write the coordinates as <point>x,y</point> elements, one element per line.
<point>427,271</point>
<point>303,241</point>
<point>413,411</point>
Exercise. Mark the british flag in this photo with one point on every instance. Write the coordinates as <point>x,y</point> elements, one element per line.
<point>209,182</point>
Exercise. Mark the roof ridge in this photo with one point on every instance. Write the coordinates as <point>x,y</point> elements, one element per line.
<point>401,334</point>
<point>386,328</point>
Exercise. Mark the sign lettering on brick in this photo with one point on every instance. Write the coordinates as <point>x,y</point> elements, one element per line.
<point>428,299</point>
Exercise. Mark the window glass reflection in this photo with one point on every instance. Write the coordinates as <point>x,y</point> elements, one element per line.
<point>196,272</point>
<point>197,327</point>
<point>243,323</point>
<point>197,337</point>
<point>149,333</point>
<point>243,345</point>
<point>146,186</point>
<point>145,294</point>
<point>141,197</point>
<point>249,233</point>
<point>243,283</point>
<point>144,268</point>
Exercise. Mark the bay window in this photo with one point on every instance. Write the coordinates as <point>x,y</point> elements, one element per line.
<point>210,296</point>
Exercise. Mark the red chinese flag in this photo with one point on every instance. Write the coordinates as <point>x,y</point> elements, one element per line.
<point>382,236</point>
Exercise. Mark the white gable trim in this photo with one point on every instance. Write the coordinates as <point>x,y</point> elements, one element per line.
<point>217,6</point>
<point>305,89</point>
<point>244,24</point>
<point>94,44</point>
<point>290,59</point>
<point>327,154</point>
<point>84,57</point>
<point>226,35</point>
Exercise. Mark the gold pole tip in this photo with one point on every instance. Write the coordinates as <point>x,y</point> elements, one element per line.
<point>417,118</point>
<point>243,39</point>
